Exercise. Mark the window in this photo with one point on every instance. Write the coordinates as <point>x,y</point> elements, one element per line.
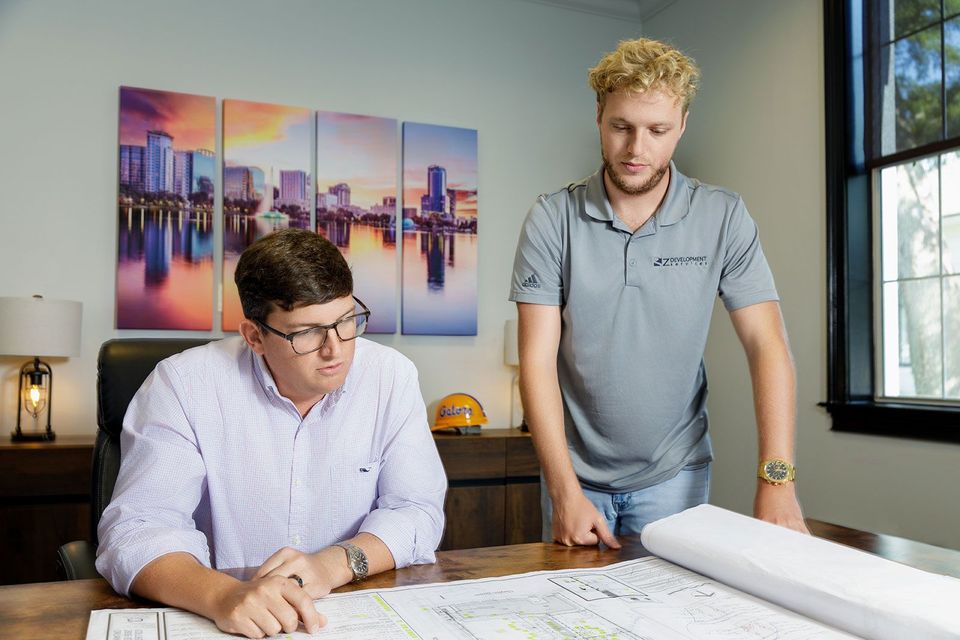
<point>892,70</point>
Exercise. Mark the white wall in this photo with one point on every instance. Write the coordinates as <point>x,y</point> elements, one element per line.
<point>516,71</point>
<point>757,127</point>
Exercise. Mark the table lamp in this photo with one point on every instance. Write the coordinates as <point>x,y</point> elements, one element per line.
<point>37,327</point>
<point>511,357</point>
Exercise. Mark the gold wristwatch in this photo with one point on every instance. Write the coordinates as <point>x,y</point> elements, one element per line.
<point>777,471</point>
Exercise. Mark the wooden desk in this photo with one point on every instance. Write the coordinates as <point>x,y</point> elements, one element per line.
<point>62,609</point>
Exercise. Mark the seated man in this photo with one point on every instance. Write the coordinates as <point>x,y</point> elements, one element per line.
<point>295,448</point>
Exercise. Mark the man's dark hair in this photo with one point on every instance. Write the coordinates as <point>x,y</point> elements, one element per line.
<point>290,268</point>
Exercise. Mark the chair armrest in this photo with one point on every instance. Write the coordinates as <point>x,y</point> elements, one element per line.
<point>77,561</point>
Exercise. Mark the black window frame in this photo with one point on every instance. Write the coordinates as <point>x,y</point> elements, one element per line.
<point>851,362</point>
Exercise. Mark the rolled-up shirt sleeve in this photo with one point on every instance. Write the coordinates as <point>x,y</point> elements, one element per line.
<point>408,517</point>
<point>160,483</point>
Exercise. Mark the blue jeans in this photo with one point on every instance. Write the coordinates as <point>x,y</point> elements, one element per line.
<point>627,513</point>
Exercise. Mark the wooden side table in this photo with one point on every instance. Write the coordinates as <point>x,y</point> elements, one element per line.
<point>494,494</point>
<point>44,502</point>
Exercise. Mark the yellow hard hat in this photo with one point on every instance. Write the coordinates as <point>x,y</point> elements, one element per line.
<point>458,410</point>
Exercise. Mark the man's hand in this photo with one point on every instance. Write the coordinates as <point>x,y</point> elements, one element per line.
<point>265,606</point>
<point>577,522</point>
<point>318,573</point>
<point>778,504</point>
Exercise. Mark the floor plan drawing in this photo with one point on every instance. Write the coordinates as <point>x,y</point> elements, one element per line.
<point>645,599</point>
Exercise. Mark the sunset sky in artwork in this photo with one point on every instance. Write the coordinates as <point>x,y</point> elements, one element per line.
<point>360,151</point>
<point>267,136</point>
<point>453,148</point>
<point>189,119</point>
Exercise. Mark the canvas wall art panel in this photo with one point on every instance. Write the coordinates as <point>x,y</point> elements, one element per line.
<point>440,211</point>
<point>165,210</point>
<point>266,182</point>
<point>357,205</point>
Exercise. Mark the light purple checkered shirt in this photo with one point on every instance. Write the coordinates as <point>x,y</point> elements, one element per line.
<point>216,463</point>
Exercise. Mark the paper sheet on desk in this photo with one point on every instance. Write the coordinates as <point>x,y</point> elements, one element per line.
<point>849,589</point>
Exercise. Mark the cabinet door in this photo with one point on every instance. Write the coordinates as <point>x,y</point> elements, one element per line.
<point>475,517</point>
<point>523,521</point>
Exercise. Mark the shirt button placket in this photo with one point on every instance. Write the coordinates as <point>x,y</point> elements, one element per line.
<point>298,508</point>
<point>633,265</point>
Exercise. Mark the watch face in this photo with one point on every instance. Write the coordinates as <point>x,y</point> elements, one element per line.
<point>776,470</point>
<point>362,566</point>
<point>358,562</point>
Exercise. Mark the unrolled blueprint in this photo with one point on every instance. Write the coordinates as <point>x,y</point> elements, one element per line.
<point>643,599</point>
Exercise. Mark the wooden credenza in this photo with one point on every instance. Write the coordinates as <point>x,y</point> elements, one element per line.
<point>494,497</point>
<point>494,494</point>
<point>44,502</point>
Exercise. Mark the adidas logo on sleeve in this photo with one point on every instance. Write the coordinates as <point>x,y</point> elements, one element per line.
<point>532,282</point>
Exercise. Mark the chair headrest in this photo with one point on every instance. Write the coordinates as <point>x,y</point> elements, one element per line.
<point>122,366</point>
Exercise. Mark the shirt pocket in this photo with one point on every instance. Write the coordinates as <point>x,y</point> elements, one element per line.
<point>354,486</point>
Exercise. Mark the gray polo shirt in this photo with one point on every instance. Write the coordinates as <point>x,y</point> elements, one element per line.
<point>635,312</point>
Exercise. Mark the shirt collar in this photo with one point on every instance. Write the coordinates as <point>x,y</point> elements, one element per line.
<point>269,385</point>
<point>673,209</point>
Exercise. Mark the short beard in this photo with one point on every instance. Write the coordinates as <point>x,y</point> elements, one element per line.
<point>622,185</point>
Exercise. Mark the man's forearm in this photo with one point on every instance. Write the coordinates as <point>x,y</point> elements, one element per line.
<point>543,412</point>
<point>179,580</point>
<point>774,398</point>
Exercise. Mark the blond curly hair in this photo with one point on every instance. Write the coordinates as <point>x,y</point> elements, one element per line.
<point>641,65</point>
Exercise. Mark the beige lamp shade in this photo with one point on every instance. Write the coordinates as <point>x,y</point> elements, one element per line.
<point>39,327</point>
<point>511,349</point>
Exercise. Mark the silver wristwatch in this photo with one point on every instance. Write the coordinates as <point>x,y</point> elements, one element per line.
<point>356,560</point>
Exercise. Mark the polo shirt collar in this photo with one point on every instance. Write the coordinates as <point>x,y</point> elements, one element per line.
<point>673,209</point>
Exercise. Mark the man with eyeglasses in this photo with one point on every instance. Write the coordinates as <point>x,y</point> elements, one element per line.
<point>296,449</point>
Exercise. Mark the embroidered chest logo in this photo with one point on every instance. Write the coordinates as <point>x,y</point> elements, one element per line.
<point>681,261</point>
<point>532,282</point>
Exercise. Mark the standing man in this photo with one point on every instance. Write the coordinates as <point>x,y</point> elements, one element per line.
<point>615,278</point>
<point>298,448</point>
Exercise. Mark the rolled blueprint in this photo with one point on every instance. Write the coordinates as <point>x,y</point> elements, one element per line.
<point>849,589</point>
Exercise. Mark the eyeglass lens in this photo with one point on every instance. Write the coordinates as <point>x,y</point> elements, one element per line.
<point>314,339</point>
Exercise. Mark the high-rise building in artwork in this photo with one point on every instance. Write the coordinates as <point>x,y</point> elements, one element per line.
<point>158,162</point>
<point>342,191</point>
<point>293,188</point>
<point>131,167</point>
<point>182,173</point>
<point>238,183</point>
<point>436,199</point>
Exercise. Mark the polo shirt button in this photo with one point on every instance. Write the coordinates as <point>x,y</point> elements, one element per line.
<point>633,263</point>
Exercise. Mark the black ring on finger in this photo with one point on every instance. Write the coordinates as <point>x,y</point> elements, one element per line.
<point>298,580</point>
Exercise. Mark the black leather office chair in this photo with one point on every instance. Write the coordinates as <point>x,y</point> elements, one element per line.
<point>122,366</point>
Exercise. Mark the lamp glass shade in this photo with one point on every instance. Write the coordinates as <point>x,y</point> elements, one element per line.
<point>39,327</point>
<point>35,397</point>
<point>511,348</point>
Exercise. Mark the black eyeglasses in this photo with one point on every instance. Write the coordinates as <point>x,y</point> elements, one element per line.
<point>313,339</point>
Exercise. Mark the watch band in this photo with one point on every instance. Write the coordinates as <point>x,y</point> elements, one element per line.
<point>356,560</point>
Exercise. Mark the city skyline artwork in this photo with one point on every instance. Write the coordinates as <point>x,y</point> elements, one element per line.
<point>166,184</point>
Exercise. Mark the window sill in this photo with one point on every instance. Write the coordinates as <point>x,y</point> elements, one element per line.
<point>916,422</point>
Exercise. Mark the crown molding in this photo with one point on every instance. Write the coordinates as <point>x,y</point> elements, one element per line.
<point>633,10</point>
